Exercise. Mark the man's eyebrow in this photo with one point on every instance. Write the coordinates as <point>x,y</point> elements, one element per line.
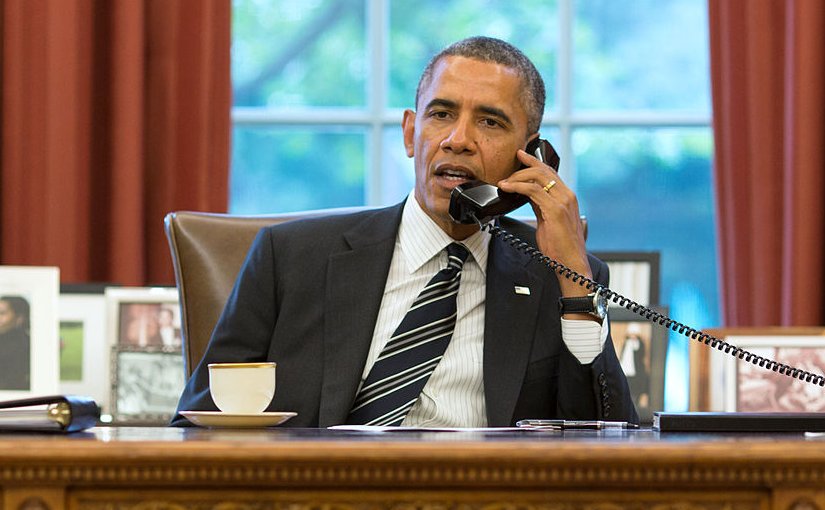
<point>445,103</point>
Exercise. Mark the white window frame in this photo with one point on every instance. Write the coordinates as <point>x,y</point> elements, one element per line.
<point>376,117</point>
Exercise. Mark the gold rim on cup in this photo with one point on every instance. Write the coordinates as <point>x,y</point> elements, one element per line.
<point>261,364</point>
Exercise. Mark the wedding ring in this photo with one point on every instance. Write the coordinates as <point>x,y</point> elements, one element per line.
<point>549,185</point>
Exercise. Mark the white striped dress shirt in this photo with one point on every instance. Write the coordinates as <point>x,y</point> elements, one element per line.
<point>454,394</point>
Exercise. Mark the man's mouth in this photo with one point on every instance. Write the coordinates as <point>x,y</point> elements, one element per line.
<point>454,175</point>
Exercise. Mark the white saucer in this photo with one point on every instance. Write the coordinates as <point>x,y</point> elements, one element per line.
<point>219,419</point>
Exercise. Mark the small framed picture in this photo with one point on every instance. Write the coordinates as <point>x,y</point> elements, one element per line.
<point>146,384</point>
<point>641,347</point>
<point>634,275</point>
<point>751,388</point>
<point>722,382</point>
<point>28,331</point>
<point>146,363</point>
<point>84,352</point>
<point>144,317</point>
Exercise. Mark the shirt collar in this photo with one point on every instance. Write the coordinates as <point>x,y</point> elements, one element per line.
<point>421,239</point>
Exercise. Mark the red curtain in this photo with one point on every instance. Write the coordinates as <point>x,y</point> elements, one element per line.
<point>768,80</point>
<point>113,113</point>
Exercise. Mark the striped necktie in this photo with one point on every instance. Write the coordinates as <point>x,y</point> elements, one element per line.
<point>412,353</point>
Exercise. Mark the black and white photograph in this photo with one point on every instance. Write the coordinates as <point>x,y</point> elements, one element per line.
<point>146,384</point>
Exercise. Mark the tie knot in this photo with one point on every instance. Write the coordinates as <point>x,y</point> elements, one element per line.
<point>456,254</point>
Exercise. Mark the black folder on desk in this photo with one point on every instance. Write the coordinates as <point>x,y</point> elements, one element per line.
<point>54,413</point>
<point>738,422</point>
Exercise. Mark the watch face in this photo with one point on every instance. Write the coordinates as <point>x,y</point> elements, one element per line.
<point>600,305</point>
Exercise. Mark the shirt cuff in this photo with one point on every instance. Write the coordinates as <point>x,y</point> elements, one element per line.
<point>584,339</point>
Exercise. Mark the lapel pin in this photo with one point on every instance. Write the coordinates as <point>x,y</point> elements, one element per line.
<point>525,291</point>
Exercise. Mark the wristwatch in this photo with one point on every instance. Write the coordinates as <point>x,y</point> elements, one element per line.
<point>594,303</point>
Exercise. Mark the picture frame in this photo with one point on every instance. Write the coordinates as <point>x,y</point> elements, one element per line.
<point>144,317</point>
<point>28,331</point>
<point>141,352</point>
<point>84,351</point>
<point>642,350</point>
<point>634,274</point>
<point>720,381</point>
<point>751,388</point>
<point>146,384</point>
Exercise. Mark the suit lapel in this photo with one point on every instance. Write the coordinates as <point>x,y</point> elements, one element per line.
<point>509,325</point>
<point>355,288</point>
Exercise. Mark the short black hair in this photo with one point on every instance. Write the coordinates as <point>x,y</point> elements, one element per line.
<point>490,49</point>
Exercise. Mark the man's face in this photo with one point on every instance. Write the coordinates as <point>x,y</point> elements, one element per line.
<point>469,123</point>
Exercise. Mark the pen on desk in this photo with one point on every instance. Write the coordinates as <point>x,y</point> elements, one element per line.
<point>575,424</point>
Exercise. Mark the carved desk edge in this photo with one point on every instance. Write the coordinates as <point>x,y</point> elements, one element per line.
<point>431,464</point>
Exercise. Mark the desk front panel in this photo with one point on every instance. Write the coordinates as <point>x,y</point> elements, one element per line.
<point>157,468</point>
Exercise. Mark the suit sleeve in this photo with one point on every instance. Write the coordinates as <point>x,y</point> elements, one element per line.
<point>244,329</point>
<point>598,390</point>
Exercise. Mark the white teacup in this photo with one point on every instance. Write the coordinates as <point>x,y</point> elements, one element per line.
<point>242,388</point>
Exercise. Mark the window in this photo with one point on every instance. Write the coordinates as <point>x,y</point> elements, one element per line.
<point>320,87</point>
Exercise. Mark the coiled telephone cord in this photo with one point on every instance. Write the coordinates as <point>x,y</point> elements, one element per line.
<point>652,315</point>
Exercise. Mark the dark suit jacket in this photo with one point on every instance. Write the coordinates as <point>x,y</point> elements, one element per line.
<point>308,296</point>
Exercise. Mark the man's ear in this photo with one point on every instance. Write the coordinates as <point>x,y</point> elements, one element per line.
<point>408,126</point>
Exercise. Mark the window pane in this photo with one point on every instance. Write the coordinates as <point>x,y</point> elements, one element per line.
<point>287,53</point>
<point>420,29</point>
<point>641,54</point>
<point>650,189</point>
<point>283,169</point>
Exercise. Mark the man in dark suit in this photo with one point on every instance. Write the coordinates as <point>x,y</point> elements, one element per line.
<point>321,297</point>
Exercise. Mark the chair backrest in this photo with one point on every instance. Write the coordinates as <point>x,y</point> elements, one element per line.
<point>208,250</point>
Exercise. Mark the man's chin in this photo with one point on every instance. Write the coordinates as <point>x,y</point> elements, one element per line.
<point>441,217</point>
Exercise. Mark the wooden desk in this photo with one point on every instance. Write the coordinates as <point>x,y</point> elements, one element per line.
<point>159,468</point>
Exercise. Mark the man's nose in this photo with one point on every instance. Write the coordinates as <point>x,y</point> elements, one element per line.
<point>460,137</point>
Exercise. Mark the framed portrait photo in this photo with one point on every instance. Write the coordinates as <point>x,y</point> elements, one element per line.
<point>28,331</point>
<point>84,352</point>
<point>144,317</point>
<point>146,384</point>
<point>641,347</point>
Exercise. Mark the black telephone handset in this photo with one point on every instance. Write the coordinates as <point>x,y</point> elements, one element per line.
<point>477,201</point>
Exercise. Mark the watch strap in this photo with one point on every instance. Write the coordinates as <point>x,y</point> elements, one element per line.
<point>580,304</point>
